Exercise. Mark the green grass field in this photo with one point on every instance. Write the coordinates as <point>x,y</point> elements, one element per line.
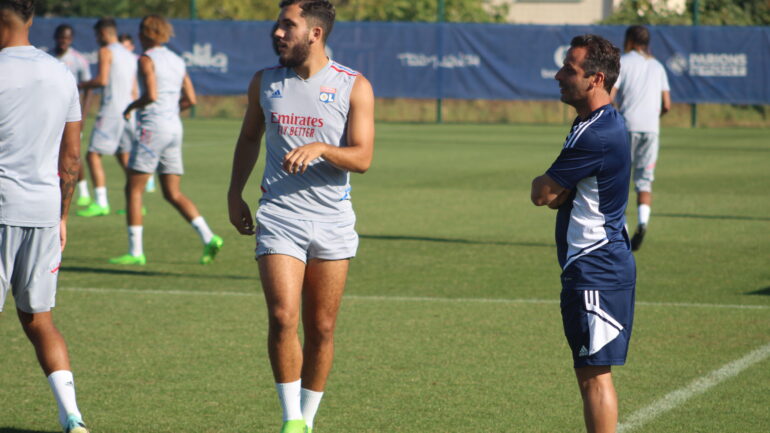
<point>451,321</point>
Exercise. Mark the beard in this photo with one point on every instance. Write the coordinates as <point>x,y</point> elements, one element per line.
<point>294,56</point>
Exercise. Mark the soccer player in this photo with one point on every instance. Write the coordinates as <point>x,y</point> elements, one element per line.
<point>588,184</point>
<point>642,95</point>
<point>166,89</point>
<point>111,133</point>
<point>78,65</point>
<point>40,139</point>
<point>318,119</point>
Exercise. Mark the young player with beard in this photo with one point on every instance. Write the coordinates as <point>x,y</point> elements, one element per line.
<point>318,119</point>
<point>588,184</point>
<point>166,90</point>
<point>39,164</point>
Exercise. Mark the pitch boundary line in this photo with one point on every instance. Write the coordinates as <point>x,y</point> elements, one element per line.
<point>697,387</point>
<point>408,298</point>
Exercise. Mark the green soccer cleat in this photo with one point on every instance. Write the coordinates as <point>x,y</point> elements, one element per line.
<point>308,430</point>
<point>94,210</point>
<point>75,425</point>
<point>83,201</point>
<point>123,211</point>
<point>128,259</point>
<point>294,426</point>
<point>211,249</point>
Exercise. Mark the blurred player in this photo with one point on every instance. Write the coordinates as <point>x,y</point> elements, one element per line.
<point>166,89</point>
<point>128,42</point>
<point>39,163</point>
<point>588,184</point>
<point>111,133</point>
<point>642,94</point>
<point>318,119</point>
<point>78,65</point>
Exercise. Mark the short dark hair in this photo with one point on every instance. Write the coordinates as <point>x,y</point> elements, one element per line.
<point>601,56</point>
<point>320,12</point>
<point>61,28</point>
<point>23,8</point>
<point>123,37</point>
<point>638,36</point>
<point>106,23</point>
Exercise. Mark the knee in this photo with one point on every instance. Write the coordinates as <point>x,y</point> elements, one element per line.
<point>283,320</point>
<point>320,329</point>
<point>172,196</point>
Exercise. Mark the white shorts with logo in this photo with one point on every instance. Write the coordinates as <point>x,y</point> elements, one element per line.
<point>157,150</point>
<point>112,135</point>
<point>29,264</point>
<point>305,240</point>
<point>644,151</point>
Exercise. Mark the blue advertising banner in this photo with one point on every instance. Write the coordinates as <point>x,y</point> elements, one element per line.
<point>463,61</point>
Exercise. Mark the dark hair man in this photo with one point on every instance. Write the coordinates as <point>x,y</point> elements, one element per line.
<point>318,119</point>
<point>40,138</point>
<point>642,96</point>
<point>588,184</point>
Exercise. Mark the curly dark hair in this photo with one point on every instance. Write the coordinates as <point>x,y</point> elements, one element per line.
<point>601,56</point>
<point>320,13</point>
<point>23,8</point>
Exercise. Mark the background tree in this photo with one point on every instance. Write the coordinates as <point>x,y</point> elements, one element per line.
<point>712,12</point>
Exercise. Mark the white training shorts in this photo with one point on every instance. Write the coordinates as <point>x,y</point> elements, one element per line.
<point>157,150</point>
<point>29,264</point>
<point>644,151</point>
<point>305,240</point>
<point>112,135</point>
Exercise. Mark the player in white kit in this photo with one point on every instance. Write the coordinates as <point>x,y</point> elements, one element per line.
<point>318,120</point>
<point>642,95</point>
<point>39,164</point>
<point>78,65</point>
<point>166,89</point>
<point>111,135</point>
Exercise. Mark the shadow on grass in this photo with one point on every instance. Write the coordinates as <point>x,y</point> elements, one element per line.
<point>762,292</point>
<point>19,430</point>
<point>713,217</point>
<point>144,273</point>
<point>454,241</point>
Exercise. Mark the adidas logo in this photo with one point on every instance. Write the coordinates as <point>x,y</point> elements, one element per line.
<point>583,351</point>
<point>276,94</point>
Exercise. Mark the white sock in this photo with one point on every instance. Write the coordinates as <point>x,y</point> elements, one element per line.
<point>63,387</point>
<point>289,396</point>
<point>644,214</point>
<point>101,195</point>
<point>200,226</point>
<point>83,189</point>
<point>310,401</point>
<point>135,247</point>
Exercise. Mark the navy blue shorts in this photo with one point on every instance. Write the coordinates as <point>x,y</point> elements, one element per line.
<point>597,324</point>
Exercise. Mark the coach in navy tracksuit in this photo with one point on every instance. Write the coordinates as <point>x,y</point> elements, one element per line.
<point>588,184</point>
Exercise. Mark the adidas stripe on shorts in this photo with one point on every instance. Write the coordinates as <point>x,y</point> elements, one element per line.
<point>29,264</point>
<point>597,324</point>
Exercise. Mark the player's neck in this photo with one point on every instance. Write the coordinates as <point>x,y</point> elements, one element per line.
<point>592,104</point>
<point>314,63</point>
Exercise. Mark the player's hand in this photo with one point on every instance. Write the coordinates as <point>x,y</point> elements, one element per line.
<point>127,113</point>
<point>240,215</point>
<point>298,160</point>
<point>63,233</point>
<point>560,199</point>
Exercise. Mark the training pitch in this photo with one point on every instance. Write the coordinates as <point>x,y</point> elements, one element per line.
<point>451,321</point>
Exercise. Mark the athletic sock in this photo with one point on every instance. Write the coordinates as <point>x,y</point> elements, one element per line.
<point>83,189</point>
<point>101,195</point>
<point>135,247</point>
<point>289,396</point>
<point>200,226</point>
<point>644,214</point>
<point>63,387</point>
<point>310,401</point>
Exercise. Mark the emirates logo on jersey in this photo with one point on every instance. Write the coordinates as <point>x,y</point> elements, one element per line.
<point>327,95</point>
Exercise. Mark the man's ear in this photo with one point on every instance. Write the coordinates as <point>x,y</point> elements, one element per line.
<point>598,80</point>
<point>316,34</point>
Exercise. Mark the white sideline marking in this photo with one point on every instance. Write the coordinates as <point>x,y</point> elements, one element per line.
<point>699,386</point>
<point>408,298</point>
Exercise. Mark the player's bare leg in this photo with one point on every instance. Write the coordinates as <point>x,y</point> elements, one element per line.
<point>96,169</point>
<point>49,344</point>
<point>100,206</point>
<point>600,402</point>
<point>170,184</point>
<point>134,195</point>
<point>282,278</point>
<point>322,294</point>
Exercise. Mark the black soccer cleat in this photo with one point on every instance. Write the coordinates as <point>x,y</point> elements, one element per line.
<point>636,241</point>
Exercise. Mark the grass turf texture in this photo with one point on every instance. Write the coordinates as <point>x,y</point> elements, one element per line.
<point>431,337</point>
